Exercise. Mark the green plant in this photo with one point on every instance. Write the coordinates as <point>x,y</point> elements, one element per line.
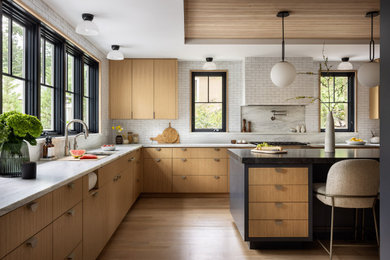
<point>16,127</point>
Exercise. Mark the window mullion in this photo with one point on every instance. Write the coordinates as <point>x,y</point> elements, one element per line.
<point>10,46</point>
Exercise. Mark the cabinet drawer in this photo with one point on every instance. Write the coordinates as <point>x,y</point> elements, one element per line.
<point>200,153</point>
<point>37,247</point>
<point>24,222</point>
<point>77,253</point>
<point>185,166</point>
<point>106,173</point>
<point>278,193</point>
<point>258,176</point>
<point>183,184</point>
<point>278,228</point>
<point>157,153</point>
<point>66,197</point>
<point>213,184</point>
<point>157,175</point>
<point>278,210</point>
<point>67,232</point>
<point>214,167</point>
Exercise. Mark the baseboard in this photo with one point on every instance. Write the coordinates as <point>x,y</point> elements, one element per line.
<point>184,195</point>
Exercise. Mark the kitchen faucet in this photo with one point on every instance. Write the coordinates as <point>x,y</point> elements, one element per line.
<point>86,133</point>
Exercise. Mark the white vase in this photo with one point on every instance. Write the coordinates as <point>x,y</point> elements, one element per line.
<point>329,134</point>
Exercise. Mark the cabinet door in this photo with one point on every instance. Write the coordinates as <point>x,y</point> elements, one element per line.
<point>157,175</point>
<point>142,89</point>
<point>213,184</point>
<point>120,89</point>
<point>138,175</point>
<point>185,184</point>
<point>165,89</point>
<point>374,102</point>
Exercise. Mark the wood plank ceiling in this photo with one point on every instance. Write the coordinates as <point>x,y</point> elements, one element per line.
<point>240,20</point>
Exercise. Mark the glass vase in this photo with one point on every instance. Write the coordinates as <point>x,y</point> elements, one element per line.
<point>13,155</point>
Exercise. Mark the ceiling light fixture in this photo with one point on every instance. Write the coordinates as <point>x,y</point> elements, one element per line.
<point>209,64</point>
<point>87,27</point>
<point>345,64</point>
<point>368,73</point>
<point>115,54</point>
<point>283,73</point>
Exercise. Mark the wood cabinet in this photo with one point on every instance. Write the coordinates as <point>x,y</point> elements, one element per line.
<point>165,89</point>
<point>143,89</point>
<point>66,197</point>
<point>120,89</point>
<point>374,102</point>
<point>138,182</point>
<point>158,175</point>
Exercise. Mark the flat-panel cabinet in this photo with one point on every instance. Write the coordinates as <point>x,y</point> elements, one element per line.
<point>374,102</point>
<point>143,85</point>
<point>157,175</point>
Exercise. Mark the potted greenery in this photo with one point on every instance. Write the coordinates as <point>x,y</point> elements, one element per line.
<point>15,130</point>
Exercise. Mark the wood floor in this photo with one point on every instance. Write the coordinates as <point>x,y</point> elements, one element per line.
<point>197,229</point>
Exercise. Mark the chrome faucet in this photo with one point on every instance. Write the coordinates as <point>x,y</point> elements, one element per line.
<point>86,133</point>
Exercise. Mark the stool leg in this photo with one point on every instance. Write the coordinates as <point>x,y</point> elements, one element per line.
<point>375,224</point>
<point>331,232</point>
<point>363,224</point>
<point>356,223</point>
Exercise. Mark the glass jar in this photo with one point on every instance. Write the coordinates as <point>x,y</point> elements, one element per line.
<point>13,155</point>
<point>135,138</point>
<point>130,137</point>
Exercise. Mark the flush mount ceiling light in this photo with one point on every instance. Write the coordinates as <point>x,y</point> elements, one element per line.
<point>283,73</point>
<point>115,54</point>
<point>368,73</point>
<point>209,64</point>
<point>87,27</point>
<point>345,64</point>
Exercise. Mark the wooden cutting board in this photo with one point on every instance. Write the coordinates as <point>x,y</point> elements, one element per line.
<point>168,136</point>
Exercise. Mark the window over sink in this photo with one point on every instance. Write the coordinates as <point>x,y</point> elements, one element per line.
<point>208,102</point>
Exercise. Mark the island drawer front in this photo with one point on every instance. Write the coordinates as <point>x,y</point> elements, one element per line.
<point>278,228</point>
<point>208,167</point>
<point>201,153</point>
<point>157,153</point>
<point>37,247</point>
<point>213,184</point>
<point>279,210</point>
<point>185,184</point>
<point>22,223</point>
<point>67,232</point>
<point>66,197</point>
<point>278,193</point>
<point>260,176</point>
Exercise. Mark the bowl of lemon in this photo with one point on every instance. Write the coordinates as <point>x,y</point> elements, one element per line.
<point>356,141</point>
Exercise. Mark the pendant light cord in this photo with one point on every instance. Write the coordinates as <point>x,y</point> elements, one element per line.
<point>283,38</point>
<point>372,42</point>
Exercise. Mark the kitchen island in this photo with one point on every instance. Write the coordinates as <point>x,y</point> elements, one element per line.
<point>271,197</point>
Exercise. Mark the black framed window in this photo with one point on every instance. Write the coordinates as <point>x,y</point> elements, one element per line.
<point>337,93</point>
<point>45,75</point>
<point>208,102</point>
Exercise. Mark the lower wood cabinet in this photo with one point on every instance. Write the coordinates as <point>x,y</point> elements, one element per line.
<point>157,175</point>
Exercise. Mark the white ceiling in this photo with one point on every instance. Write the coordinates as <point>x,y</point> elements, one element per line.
<point>155,29</point>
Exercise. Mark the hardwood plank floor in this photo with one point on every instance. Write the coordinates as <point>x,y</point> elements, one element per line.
<point>197,229</point>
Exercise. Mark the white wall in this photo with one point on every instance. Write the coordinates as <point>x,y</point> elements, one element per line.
<point>56,20</point>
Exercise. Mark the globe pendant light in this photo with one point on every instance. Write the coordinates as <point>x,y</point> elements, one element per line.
<point>368,74</point>
<point>115,54</point>
<point>283,73</point>
<point>209,64</point>
<point>87,27</point>
<point>345,64</point>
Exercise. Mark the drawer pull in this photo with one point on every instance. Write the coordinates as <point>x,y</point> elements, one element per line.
<point>184,160</point>
<point>70,257</point>
<point>184,149</point>
<point>217,177</point>
<point>33,206</point>
<point>217,149</point>
<point>71,212</point>
<point>278,204</point>
<point>71,185</point>
<point>279,187</point>
<point>278,221</point>
<point>217,159</point>
<point>280,170</point>
<point>158,160</point>
<point>158,149</point>
<point>131,159</point>
<point>32,242</point>
<point>137,180</point>
<point>95,193</point>
<point>184,177</point>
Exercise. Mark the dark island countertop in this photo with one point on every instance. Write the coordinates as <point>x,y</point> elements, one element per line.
<point>303,156</point>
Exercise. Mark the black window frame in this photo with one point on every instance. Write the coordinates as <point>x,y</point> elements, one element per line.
<point>35,30</point>
<point>222,74</point>
<point>351,97</point>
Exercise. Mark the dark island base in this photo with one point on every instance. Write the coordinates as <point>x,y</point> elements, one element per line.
<point>281,245</point>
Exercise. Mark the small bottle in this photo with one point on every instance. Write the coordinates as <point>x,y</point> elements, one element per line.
<point>50,149</point>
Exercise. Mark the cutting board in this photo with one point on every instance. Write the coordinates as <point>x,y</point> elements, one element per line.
<point>268,151</point>
<point>168,136</point>
<point>71,158</point>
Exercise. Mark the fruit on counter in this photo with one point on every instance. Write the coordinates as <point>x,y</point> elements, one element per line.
<point>88,156</point>
<point>108,145</point>
<point>77,153</point>
<point>267,147</point>
<point>354,139</point>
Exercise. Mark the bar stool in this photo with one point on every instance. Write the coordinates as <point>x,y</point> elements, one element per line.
<point>350,184</point>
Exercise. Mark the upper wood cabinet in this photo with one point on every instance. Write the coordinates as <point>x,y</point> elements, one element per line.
<point>143,89</point>
<point>374,102</point>
<point>165,89</point>
<point>120,89</point>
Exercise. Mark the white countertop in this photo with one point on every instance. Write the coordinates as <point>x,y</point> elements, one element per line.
<point>16,192</point>
<point>345,145</point>
<point>198,145</point>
